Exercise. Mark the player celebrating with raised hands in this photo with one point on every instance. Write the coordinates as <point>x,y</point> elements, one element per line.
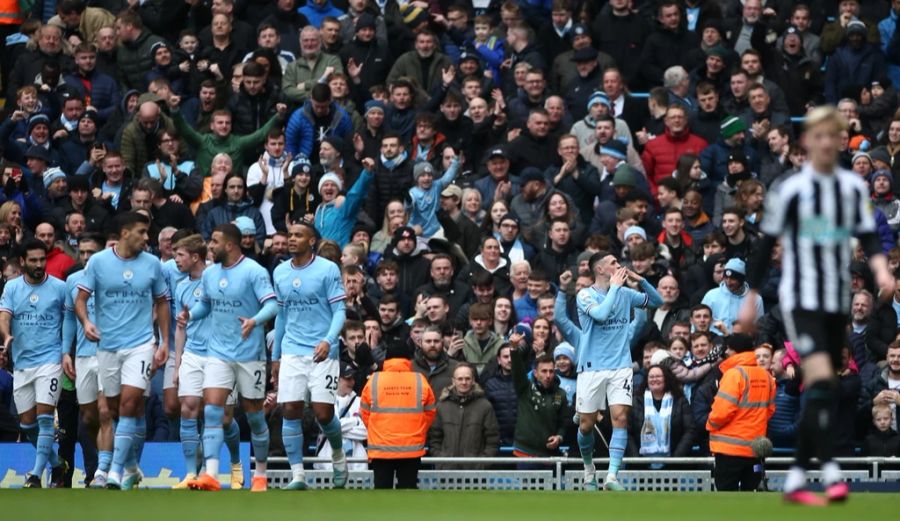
<point>128,286</point>
<point>305,355</point>
<point>31,317</point>
<point>604,358</point>
<point>813,214</point>
<point>238,298</point>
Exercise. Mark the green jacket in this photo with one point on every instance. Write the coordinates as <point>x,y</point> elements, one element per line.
<point>409,65</point>
<point>133,60</point>
<point>298,71</point>
<point>134,142</point>
<point>540,412</point>
<point>208,145</point>
<point>477,356</point>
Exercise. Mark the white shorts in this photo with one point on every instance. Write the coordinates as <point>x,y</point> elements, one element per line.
<point>190,374</point>
<point>594,388</point>
<point>131,367</point>
<point>36,385</point>
<point>169,372</point>
<point>245,378</point>
<point>87,379</point>
<point>302,380</point>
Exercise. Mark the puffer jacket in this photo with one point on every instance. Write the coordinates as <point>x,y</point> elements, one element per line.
<point>134,60</point>
<point>783,425</point>
<point>103,94</point>
<point>300,134</point>
<point>661,154</point>
<point>465,427</point>
<point>135,141</point>
<point>501,392</point>
<point>228,212</point>
<point>248,113</point>
<point>714,160</point>
<point>389,184</point>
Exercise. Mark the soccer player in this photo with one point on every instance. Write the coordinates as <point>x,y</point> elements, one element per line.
<point>190,356</point>
<point>238,298</point>
<point>172,276</point>
<point>128,286</point>
<point>604,358</point>
<point>83,369</point>
<point>310,317</point>
<point>813,214</point>
<point>31,316</point>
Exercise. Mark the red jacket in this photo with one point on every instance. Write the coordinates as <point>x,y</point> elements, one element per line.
<point>58,263</point>
<point>661,154</point>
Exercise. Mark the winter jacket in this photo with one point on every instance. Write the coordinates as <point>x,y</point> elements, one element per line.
<point>248,113</point>
<point>301,133</point>
<point>886,29</point>
<point>228,212</point>
<point>582,186</point>
<point>664,49</point>
<point>58,263</point>
<point>375,60</point>
<point>335,220</point>
<point>880,444</point>
<point>389,184</point>
<point>661,154</point>
<point>622,37</point>
<point>714,160</point>
<point>412,270</point>
<point>481,356</point>
<point>500,390</point>
<point>28,67</point>
<point>409,65</point>
<point>316,13</point>
<point>890,206</point>
<point>541,412</point>
<point>97,89</point>
<point>800,78</point>
<point>785,422</point>
<point>440,376</point>
<point>529,150</point>
<point>726,305</point>
<point>867,394</point>
<point>133,59</point>
<point>848,67</point>
<point>465,426</point>
<point>681,427</point>
<point>530,54</point>
<point>298,72</point>
<point>138,147</point>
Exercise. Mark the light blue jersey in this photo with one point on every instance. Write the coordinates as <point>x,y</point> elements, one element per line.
<point>228,294</point>
<point>311,307</point>
<point>172,277</point>
<point>188,293</point>
<point>124,292</point>
<point>83,346</point>
<point>37,317</point>
<point>605,318</point>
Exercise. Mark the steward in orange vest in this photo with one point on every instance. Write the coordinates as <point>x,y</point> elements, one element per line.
<point>397,406</point>
<point>740,414</point>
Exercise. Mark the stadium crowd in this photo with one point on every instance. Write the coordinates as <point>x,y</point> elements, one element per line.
<point>508,145</point>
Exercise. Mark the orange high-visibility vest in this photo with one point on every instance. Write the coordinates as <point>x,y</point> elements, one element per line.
<point>742,408</point>
<point>397,406</point>
<point>10,14</point>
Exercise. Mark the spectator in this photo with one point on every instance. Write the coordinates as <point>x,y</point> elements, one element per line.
<point>441,280</point>
<point>233,203</point>
<point>481,342</point>
<point>785,422</point>
<point>500,390</point>
<point>335,216</point>
<point>662,152</point>
<point>883,441</point>
<point>353,429</point>
<point>133,56</point>
<point>310,68</point>
<point>726,300</point>
<point>426,67</point>
<point>668,45</point>
<point>465,425</point>
<point>543,414</point>
<point>432,361</point>
<point>853,64</point>
<point>319,118</point>
<point>661,420</point>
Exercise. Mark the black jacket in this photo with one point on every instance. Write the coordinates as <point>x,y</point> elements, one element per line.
<point>622,37</point>
<point>501,392</point>
<point>387,185</point>
<point>682,427</point>
<point>665,49</point>
<point>375,61</point>
<point>529,150</point>
<point>249,113</point>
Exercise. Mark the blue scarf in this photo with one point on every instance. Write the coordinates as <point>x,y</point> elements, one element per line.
<point>391,164</point>
<point>656,432</point>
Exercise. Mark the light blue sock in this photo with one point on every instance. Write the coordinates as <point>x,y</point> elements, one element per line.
<point>617,450</point>
<point>104,458</point>
<point>292,437</point>
<point>137,447</point>
<point>233,441</point>
<point>259,435</point>
<point>586,446</point>
<point>190,442</point>
<point>213,437</point>
<point>44,444</point>
<point>123,446</point>
<point>332,431</point>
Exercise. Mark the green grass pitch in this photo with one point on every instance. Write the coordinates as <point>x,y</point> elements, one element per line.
<point>368,505</point>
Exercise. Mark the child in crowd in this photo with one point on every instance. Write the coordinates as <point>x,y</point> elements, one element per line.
<point>425,197</point>
<point>883,441</point>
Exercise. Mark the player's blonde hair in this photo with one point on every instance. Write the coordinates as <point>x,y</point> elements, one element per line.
<point>825,115</point>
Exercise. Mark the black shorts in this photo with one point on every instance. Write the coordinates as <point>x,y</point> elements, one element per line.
<point>817,332</point>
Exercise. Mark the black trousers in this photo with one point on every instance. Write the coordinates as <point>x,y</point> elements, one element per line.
<point>737,473</point>
<point>406,470</point>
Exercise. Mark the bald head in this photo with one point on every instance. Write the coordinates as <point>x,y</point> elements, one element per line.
<point>148,116</point>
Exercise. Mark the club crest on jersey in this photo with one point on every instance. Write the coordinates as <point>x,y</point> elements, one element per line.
<point>296,282</point>
<point>223,283</point>
<point>127,274</point>
<point>34,298</point>
<point>198,292</point>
